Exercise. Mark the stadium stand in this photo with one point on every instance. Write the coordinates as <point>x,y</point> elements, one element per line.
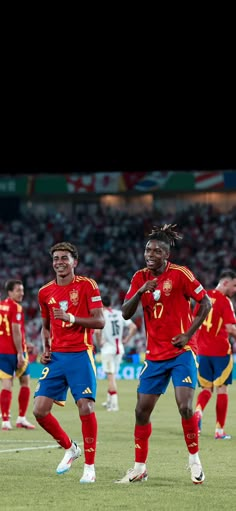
<point>109,244</point>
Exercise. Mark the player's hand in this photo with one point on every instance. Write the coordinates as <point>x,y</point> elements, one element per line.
<point>45,357</point>
<point>60,314</point>
<point>20,360</point>
<point>150,285</point>
<point>180,340</point>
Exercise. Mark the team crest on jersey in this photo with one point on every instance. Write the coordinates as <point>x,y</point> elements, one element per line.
<point>156,294</point>
<point>167,287</point>
<point>74,296</point>
<point>64,305</point>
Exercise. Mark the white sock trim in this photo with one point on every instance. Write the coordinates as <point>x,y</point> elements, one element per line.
<point>194,458</point>
<point>140,466</point>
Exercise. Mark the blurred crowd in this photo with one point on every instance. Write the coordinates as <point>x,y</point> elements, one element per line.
<point>111,246</point>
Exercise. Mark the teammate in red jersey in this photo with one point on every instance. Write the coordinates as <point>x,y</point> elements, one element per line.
<point>71,309</point>
<point>215,353</point>
<point>13,355</point>
<point>165,290</point>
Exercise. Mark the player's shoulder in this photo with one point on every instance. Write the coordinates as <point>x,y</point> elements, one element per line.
<point>116,312</point>
<point>181,270</point>
<point>80,279</point>
<point>5,305</point>
<point>47,286</point>
<point>214,293</point>
<point>223,301</point>
<point>220,297</point>
<point>112,311</point>
<point>140,273</point>
<point>18,306</point>
<point>229,302</point>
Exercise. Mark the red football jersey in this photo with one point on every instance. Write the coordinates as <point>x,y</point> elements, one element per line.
<point>79,298</point>
<point>167,311</point>
<point>10,312</point>
<point>213,338</point>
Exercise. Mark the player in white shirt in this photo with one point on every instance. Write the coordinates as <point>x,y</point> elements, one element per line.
<point>111,340</point>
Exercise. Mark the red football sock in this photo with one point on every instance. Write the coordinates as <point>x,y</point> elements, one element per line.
<point>23,400</point>
<point>221,409</point>
<point>190,429</point>
<point>89,432</point>
<point>52,426</point>
<point>203,398</point>
<point>111,392</point>
<point>6,397</point>
<point>141,437</point>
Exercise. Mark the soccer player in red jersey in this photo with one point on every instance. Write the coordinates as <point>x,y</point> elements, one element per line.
<point>13,355</point>
<point>71,308</point>
<point>165,290</point>
<point>215,353</point>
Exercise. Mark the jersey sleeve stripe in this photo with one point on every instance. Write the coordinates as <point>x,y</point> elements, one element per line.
<point>184,270</point>
<point>92,282</point>
<point>48,284</point>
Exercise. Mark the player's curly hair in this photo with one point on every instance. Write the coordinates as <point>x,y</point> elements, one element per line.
<point>165,233</point>
<point>68,247</point>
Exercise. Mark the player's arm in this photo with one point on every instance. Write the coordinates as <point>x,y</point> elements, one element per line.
<point>45,336</point>
<point>98,337</point>
<point>205,306</point>
<point>204,309</point>
<point>231,329</point>
<point>17,339</point>
<point>129,306</point>
<point>131,332</point>
<point>45,331</point>
<point>94,321</point>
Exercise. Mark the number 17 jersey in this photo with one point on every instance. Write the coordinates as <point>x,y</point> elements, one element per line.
<point>167,311</point>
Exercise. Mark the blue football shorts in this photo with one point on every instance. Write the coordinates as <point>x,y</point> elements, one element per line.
<point>155,375</point>
<point>215,371</point>
<point>8,366</point>
<point>74,370</point>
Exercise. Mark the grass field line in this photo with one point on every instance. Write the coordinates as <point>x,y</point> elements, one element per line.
<point>23,441</point>
<point>16,449</point>
<point>31,448</point>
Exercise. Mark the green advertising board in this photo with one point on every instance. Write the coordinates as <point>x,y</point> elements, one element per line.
<point>50,185</point>
<point>13,186</point>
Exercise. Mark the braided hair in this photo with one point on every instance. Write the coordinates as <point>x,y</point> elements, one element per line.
<point>166,233</point>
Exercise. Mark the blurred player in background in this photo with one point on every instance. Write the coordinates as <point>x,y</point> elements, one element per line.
<point>215,353</point>
<point>111,342</point>
<point>71,308</point>
<point>165,290</point>
<point>13,355</point>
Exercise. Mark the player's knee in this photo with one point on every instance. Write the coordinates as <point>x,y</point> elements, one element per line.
<point>141,415</point>
<point>86,406</point>
<point>185,411</point>
<point>41,409</point>
<point>39,414</point>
